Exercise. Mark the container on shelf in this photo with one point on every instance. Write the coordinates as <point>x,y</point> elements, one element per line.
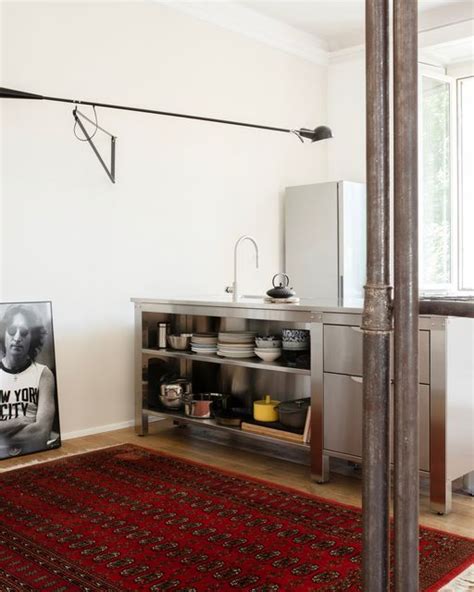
<point>265,409</point>
<point>163,332</point>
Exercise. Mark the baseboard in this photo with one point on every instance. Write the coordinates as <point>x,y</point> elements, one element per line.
<point>104,428</point>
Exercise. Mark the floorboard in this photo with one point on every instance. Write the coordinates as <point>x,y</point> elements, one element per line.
<point>194,444</point>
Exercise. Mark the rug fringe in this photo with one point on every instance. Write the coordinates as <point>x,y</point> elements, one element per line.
<point>463,580</point>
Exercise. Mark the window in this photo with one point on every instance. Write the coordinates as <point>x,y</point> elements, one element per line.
<point>465,89</point>
<point>446,183</point>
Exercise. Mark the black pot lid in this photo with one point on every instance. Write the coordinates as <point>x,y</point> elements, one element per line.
<point>297,405</point>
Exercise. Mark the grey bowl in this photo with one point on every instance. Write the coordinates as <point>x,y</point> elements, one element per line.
<point>181,342</point>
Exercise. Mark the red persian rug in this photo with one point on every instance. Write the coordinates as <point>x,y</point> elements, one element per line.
<point>128,518</point>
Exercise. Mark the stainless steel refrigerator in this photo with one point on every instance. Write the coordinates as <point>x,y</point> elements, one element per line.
<point>325,239</point>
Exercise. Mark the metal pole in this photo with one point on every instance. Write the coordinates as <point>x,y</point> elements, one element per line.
<point>406,485</point>
<point>377,316</point>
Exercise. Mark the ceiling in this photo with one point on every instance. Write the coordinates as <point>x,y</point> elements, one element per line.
<point>340,23</point>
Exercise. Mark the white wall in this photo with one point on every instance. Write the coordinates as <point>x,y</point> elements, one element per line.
<point>346,117</point>
<point>185,190</point>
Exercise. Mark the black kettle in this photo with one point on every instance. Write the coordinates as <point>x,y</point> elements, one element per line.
<point>282,290</point>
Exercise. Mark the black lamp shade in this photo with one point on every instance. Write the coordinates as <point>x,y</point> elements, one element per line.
<point>319,133</point>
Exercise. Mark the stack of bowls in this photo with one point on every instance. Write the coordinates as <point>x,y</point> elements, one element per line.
<point>236,344</point>
<point>268,348</point>
<point>204,343</point>
<point>295,339</point>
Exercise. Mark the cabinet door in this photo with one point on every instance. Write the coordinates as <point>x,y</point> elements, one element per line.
<point>343,414</point>
<point>343,417</point>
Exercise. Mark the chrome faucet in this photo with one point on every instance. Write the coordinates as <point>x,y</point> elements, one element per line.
<point>234,288</point>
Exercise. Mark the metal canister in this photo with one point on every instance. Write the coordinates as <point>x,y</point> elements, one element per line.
<point>163,332</point>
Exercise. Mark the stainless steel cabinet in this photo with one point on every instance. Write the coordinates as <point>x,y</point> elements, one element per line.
<point>343,417</point>
<point>446,400</point>
<point>446,392</point>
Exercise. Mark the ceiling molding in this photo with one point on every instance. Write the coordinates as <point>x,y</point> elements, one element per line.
<point>347,53</point>
<point>448,44</point>
<point>246,22</point>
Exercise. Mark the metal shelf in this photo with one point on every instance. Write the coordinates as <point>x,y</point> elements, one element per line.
<point>215,359</point>
<point>212,424</point>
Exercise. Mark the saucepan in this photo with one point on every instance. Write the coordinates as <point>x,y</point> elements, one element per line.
<point>172,394</point>
<point>200,406</point>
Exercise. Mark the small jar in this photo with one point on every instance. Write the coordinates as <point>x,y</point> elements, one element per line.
<point>163,332</point>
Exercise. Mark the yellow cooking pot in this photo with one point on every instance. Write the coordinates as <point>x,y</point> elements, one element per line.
<point>265,409</point>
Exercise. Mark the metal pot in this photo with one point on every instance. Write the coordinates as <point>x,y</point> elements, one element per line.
<point>181,341</point>
<point>172,394</point>
<point>282,290</point>
<point>200,406</point>
<point>292,414</point>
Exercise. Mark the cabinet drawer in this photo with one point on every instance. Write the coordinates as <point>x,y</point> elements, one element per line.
<point>343,417</point>
<point>343,351</point>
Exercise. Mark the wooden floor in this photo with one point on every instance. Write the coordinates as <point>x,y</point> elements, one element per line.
<point>345,485</point>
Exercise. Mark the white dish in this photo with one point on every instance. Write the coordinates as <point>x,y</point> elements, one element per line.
<point>237,342</point>
<point>236,354</point>
<point>204,335</point>
<point>268,349</point>
<point>236,345</point>
<point>205,350</point>
<point>266,355</point>
<point>236,337</point>
<point>231,350</point>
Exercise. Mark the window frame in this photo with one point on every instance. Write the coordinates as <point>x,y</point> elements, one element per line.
<point>460,200</point>
<point>434,73</point>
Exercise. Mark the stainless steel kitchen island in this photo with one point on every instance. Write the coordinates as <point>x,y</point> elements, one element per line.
<point>333,378</point>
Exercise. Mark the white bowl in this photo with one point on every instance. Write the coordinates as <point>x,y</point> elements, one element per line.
<point>269,349</point>
<point>267,343</point>
<point>267,355</point>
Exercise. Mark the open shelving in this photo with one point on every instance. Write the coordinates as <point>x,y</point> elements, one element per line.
<point>215,359</point>
<point>212,424</point>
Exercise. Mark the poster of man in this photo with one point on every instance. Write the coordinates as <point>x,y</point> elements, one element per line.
<point>29,417</point>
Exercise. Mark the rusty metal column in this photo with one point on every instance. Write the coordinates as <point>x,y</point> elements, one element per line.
<point>377,316</point>
<point>406,477</point>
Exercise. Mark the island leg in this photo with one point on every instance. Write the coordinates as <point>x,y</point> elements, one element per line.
<point>141,418</point>
<point>319,461</point>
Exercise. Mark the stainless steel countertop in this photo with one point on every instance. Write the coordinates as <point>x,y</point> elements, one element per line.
<point>305,305</point>
<point>438,306</point>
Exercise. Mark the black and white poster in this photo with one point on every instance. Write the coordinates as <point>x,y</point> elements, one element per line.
<point>29,417</point>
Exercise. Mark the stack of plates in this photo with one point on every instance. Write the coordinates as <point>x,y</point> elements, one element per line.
<point>236,344</point>
<point>204,343</point>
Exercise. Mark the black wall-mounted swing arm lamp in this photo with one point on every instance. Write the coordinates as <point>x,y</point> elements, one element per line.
<point>319,133</point>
